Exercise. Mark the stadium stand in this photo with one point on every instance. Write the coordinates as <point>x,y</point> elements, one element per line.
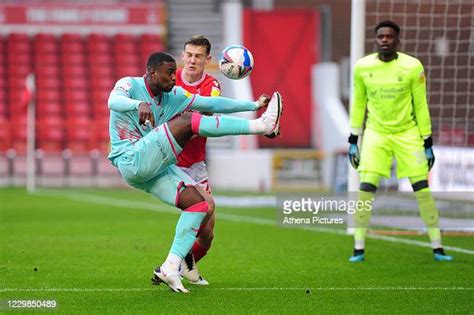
<point>74,75</point>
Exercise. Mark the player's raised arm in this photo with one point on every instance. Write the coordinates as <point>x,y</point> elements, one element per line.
<point>219,104</point>
<point>420,104</point>
<point>120,99</point>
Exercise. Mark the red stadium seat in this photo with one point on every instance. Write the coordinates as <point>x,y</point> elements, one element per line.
<point>101,138</point>
<point>45,38</point>
<point>46,59</point>
<point>72,96</point>
<point>100,110</point>
<point>3,109</point>
<point>50,133</point>
<point>125,38</point>
<point>5,135</point>
<point>75,83</point>
<point>18,58</point>
<point>46,109</point>
<point>71,38</point>
<point>71,59</point>
<point>45,43</point>
<point>48,82</point>
<point>74,71</point>
<point>43,71</point>
<point>150,38</point>
<point>130,59</point>
<point>45,48</point>
<point>104,83</point>
<point>79,134</point>
<point>16,82</point>
<point>101,60</point>
<point>18,133</point>
<point>71,48</point>
<point>98,48</point>
<point>129,70</point>
<point>77,109</point>
<point>48,95</point>
<point>18,70</point>
<point>102,70</point>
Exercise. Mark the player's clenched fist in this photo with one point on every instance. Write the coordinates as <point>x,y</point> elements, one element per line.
<point>145,113</point>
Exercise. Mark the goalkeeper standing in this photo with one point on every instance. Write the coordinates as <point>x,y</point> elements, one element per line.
<point>391,85</point>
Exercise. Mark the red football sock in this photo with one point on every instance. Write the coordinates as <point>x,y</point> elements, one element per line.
<point>199,251</point>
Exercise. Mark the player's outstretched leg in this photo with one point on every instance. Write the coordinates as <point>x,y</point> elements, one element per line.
<point>194,209</point>
<point>216,126</point>
<point>430,215</point>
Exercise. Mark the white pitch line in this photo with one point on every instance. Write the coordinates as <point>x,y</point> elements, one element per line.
<point>241,289</point>
<point>123,203</point>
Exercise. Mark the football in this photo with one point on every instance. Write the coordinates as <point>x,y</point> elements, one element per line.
<point>236,62</point>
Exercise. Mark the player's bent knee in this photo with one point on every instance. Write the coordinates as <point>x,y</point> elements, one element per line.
<point>189,197</point>
<point>422,184</point>
<point>368,187</point>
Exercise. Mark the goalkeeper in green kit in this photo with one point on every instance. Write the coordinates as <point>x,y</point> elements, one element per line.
<point>391,85</point>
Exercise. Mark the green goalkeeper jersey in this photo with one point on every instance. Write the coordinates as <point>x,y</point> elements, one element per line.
<point>394,93</point>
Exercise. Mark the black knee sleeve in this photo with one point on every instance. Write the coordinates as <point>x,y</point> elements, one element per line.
<point>368,187</point>
<point>422,184</point>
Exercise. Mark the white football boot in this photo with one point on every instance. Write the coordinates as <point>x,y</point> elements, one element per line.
<point>271,117</point>
<point>189,271</point>
<point>172,280</point>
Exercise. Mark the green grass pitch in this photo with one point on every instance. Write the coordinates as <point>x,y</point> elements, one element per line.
<point>93,251</point>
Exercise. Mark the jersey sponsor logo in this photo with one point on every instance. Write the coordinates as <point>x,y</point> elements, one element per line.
<point>123,86</point>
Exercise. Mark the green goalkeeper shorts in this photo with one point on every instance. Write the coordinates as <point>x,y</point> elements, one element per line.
<point>379,149</point>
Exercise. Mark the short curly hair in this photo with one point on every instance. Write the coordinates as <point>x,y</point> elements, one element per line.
<point>388,23</point>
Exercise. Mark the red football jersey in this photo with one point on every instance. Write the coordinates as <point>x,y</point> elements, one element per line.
<point>195,149</point>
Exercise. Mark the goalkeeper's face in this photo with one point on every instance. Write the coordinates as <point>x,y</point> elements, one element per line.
<point>387,41</point>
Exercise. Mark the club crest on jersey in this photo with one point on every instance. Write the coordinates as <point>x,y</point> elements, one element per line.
<point>187,93</point>
<point>215,91</point>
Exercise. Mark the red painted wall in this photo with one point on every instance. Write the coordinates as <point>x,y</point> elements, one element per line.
<point>285,44</point>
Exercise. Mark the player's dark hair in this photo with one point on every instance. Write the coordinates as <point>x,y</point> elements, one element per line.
<point>199,40</point>
<point>157,59</point>
<point>388,23</point>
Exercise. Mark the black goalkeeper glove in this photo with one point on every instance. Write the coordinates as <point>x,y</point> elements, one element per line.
<point>429,152</point>
<point>354,155</point>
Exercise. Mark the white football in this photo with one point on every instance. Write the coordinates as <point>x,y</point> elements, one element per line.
<point>236,62</point>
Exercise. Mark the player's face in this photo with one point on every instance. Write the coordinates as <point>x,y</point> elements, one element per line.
<point>387,41</point>
<point>164,77</point>
<point>195,59</point>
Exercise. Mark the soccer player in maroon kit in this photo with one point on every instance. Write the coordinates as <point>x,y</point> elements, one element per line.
<point>195,57</point>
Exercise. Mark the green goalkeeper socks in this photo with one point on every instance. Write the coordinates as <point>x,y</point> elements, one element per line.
<point>362,218</point>
<point>429,214</point>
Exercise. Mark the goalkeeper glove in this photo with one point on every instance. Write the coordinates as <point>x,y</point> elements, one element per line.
<point>354,156</point>
<point>429,152</point>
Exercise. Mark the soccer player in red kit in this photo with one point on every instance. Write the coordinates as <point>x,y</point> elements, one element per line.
<point>195,57</point>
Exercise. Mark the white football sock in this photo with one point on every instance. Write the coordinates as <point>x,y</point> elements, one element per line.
<point>172,263</point>
<point>256,126</point>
